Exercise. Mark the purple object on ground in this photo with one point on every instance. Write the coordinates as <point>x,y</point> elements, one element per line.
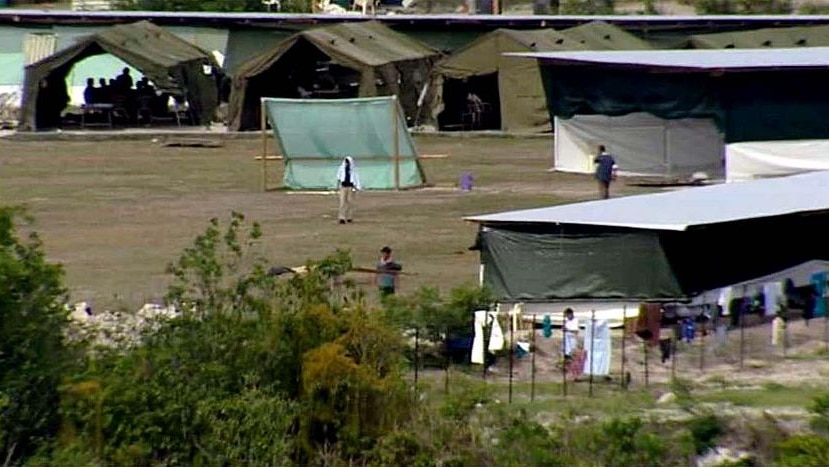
<point>466,181</point>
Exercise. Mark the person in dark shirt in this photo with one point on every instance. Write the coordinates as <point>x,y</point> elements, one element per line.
<point>104,95</point>
<point>124,80</point>
<point>605,171</point>
<point>90,93</point>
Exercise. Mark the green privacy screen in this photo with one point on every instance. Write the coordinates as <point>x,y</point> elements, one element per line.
<point>315,134</point>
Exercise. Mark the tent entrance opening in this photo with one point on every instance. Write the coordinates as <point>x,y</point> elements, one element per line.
<point>304,72</point>
<point>471,104</point>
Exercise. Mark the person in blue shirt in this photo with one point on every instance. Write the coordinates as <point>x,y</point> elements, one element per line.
<point>605,171</point>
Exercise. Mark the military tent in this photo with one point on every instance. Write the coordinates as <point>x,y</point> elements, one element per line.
<point>345,60</point>
<point>805,36</point>
<point>174,65</point>
<point>599,35</point>
<point>510,89</point>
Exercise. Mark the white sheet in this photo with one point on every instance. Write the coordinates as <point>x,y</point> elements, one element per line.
<point>641,144</point>
<point>763,159</point>
<point>598,361</point>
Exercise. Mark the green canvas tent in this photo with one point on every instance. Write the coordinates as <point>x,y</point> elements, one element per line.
<point>314,135</point>
<point>808,36</point>
<point>598,35</point>
<point>356,59</point>
<point>511,87</point>
<point>174,65</point>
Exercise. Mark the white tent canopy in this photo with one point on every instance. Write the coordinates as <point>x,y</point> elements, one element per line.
<point>763,159</point>
<point>679,210</point>
<point>642,144</point>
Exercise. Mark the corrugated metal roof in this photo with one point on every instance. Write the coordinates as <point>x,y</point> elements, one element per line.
<point>691,60</point>
<point>37,46</point>
<point>679,210</point>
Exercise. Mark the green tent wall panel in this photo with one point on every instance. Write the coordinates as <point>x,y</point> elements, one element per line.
<point>314,135</point>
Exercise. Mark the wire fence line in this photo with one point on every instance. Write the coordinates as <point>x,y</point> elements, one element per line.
<point>532,361</point>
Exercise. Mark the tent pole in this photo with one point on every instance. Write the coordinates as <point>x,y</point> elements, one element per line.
<point>263,121</point>
<point>396,142</point>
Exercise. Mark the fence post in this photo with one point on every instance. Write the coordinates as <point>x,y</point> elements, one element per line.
<point>532,380</point>
<point>647,374</point>
<point>624,342</point>
<point>563,358</point>
<point>673,356</point>
<point>592,347</point>
<point>416,354</point>
<point>446,371</point>
<point>511,355</point>
<point>742,317</point>
<point>702,349</point>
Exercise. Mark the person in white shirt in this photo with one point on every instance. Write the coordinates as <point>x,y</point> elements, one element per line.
<point>348,182</point>
<point>571,332</point>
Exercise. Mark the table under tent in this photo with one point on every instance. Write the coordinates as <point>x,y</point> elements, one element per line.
<point>175,68</point>
<point>671,113</point>
<point>479,88</point>
<point>346,60</point>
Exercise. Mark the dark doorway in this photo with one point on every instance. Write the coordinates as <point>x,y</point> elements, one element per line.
<point>302,72</point>
<point>463,111</point>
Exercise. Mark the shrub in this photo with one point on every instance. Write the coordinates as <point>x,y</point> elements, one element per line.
<point>33,356</point>
<point>803,450</point>
<point>705,430</point>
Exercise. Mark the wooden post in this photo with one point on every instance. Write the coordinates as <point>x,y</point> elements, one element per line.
<point>263,120</point>
<point>396,148</point>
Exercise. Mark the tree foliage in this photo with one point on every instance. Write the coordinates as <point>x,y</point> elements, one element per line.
<point>32,353</point>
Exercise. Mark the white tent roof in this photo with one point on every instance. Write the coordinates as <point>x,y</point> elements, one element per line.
<point>678,210</point>
<point>693,60</point>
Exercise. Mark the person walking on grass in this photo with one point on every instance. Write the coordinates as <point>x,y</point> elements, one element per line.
<point>605,171</point>
<point>348,182</point>
<point>387,275</point>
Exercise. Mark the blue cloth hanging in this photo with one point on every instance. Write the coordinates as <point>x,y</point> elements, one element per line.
<point>819,283</point>
<point>548,327</point>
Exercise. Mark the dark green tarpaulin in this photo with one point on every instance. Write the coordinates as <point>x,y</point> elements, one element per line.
<point>526,265</point>
<point>171,63</point>
<point>749,106</point>
<point>526,262</point>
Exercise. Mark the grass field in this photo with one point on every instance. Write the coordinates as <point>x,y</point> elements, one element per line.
<point>116,212</point>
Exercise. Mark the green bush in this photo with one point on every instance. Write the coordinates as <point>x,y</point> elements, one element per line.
<point>803,451</point>
<point>33,356</point>
<point>705,430</point>
<point>587,7</point>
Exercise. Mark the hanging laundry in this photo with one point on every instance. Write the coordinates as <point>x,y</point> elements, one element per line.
<point>819,283</point>
<point>772,297</point>
<point>649,322</point>
<point>515,313</point>
<point>477,355</point>
<point>689,330</point>
<point>598,347</point>
<point>724,301</point>
<point>496,337</point>
<point>547,326</point>
<point>778,326</point>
